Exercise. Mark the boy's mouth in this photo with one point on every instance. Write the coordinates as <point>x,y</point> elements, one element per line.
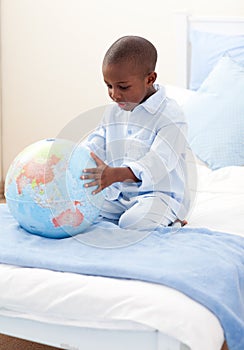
<point>127,106</point>
<point>121,104</point>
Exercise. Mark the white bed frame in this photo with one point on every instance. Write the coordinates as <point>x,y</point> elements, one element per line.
<point>184,23</point>
<point>75,338</point>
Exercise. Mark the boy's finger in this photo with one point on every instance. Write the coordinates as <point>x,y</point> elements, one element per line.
<point>90,170</point>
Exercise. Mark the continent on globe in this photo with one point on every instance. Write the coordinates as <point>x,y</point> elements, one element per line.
<point>44,191</point>
<point>68,217</point>
<point>32,173</point>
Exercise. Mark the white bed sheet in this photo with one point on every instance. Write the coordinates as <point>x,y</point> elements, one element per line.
<point>219,200</point>
<point>98,302</point>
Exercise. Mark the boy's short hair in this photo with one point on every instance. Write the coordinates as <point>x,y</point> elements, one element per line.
<point>132,49</point>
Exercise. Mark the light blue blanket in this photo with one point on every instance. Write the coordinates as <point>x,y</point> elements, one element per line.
<point>207,266</point>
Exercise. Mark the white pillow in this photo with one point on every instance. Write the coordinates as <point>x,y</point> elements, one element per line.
<point>180,95</point>
<point>215,116</point>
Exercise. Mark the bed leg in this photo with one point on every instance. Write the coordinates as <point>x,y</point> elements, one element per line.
<point>225,346</point>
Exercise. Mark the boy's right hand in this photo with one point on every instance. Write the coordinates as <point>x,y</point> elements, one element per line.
<point>103,175</point>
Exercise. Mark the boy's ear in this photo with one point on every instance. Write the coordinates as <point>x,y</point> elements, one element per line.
<point>151,78</point>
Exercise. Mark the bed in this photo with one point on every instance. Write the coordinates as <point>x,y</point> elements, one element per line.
<point>74,310</point>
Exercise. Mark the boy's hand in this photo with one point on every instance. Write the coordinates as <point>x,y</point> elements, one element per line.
<point>103,175</point>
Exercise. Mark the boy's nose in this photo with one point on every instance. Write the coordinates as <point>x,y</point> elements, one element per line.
<point>115,95</point>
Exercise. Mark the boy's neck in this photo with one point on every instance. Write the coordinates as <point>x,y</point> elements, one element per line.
<point>150,93</point>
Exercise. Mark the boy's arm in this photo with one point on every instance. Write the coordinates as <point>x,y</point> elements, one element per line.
<point>103,175</point>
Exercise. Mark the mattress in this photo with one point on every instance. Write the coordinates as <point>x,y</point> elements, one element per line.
<point>107,303</point>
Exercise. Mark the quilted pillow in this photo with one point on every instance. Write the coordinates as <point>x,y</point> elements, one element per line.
<point>215,115</point>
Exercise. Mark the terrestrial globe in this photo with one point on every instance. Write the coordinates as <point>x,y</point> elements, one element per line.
<point>44,191</point>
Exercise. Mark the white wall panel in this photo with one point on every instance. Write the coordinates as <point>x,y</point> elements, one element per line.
<point>52,52</point>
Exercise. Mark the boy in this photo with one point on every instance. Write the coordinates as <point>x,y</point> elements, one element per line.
<point>139,147</point>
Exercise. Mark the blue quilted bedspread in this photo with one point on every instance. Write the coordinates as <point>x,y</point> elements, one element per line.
<point>205,265</point>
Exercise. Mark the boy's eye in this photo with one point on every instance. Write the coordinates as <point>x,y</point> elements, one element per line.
<point>119,87</point>
<point>123,87</point>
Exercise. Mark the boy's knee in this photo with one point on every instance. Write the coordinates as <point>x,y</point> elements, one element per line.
<point>135,223</point>
<point>147,214</point>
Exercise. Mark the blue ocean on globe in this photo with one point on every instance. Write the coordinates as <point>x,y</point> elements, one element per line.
<point>44,191</point>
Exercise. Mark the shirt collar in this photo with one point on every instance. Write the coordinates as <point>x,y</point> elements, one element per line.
<point>153,103</point>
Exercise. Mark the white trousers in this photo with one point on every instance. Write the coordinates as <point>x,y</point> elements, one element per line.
<point>144,212</point>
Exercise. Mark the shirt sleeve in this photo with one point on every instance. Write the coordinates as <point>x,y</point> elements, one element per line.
<point>96,142</point>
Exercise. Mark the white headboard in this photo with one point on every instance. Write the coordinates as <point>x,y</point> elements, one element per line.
<point>184,22</point>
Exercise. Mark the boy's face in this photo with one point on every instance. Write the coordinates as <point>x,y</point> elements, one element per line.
<point>127,86</point>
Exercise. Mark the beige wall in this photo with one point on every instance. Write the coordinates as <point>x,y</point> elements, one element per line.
<point>52,52</point>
